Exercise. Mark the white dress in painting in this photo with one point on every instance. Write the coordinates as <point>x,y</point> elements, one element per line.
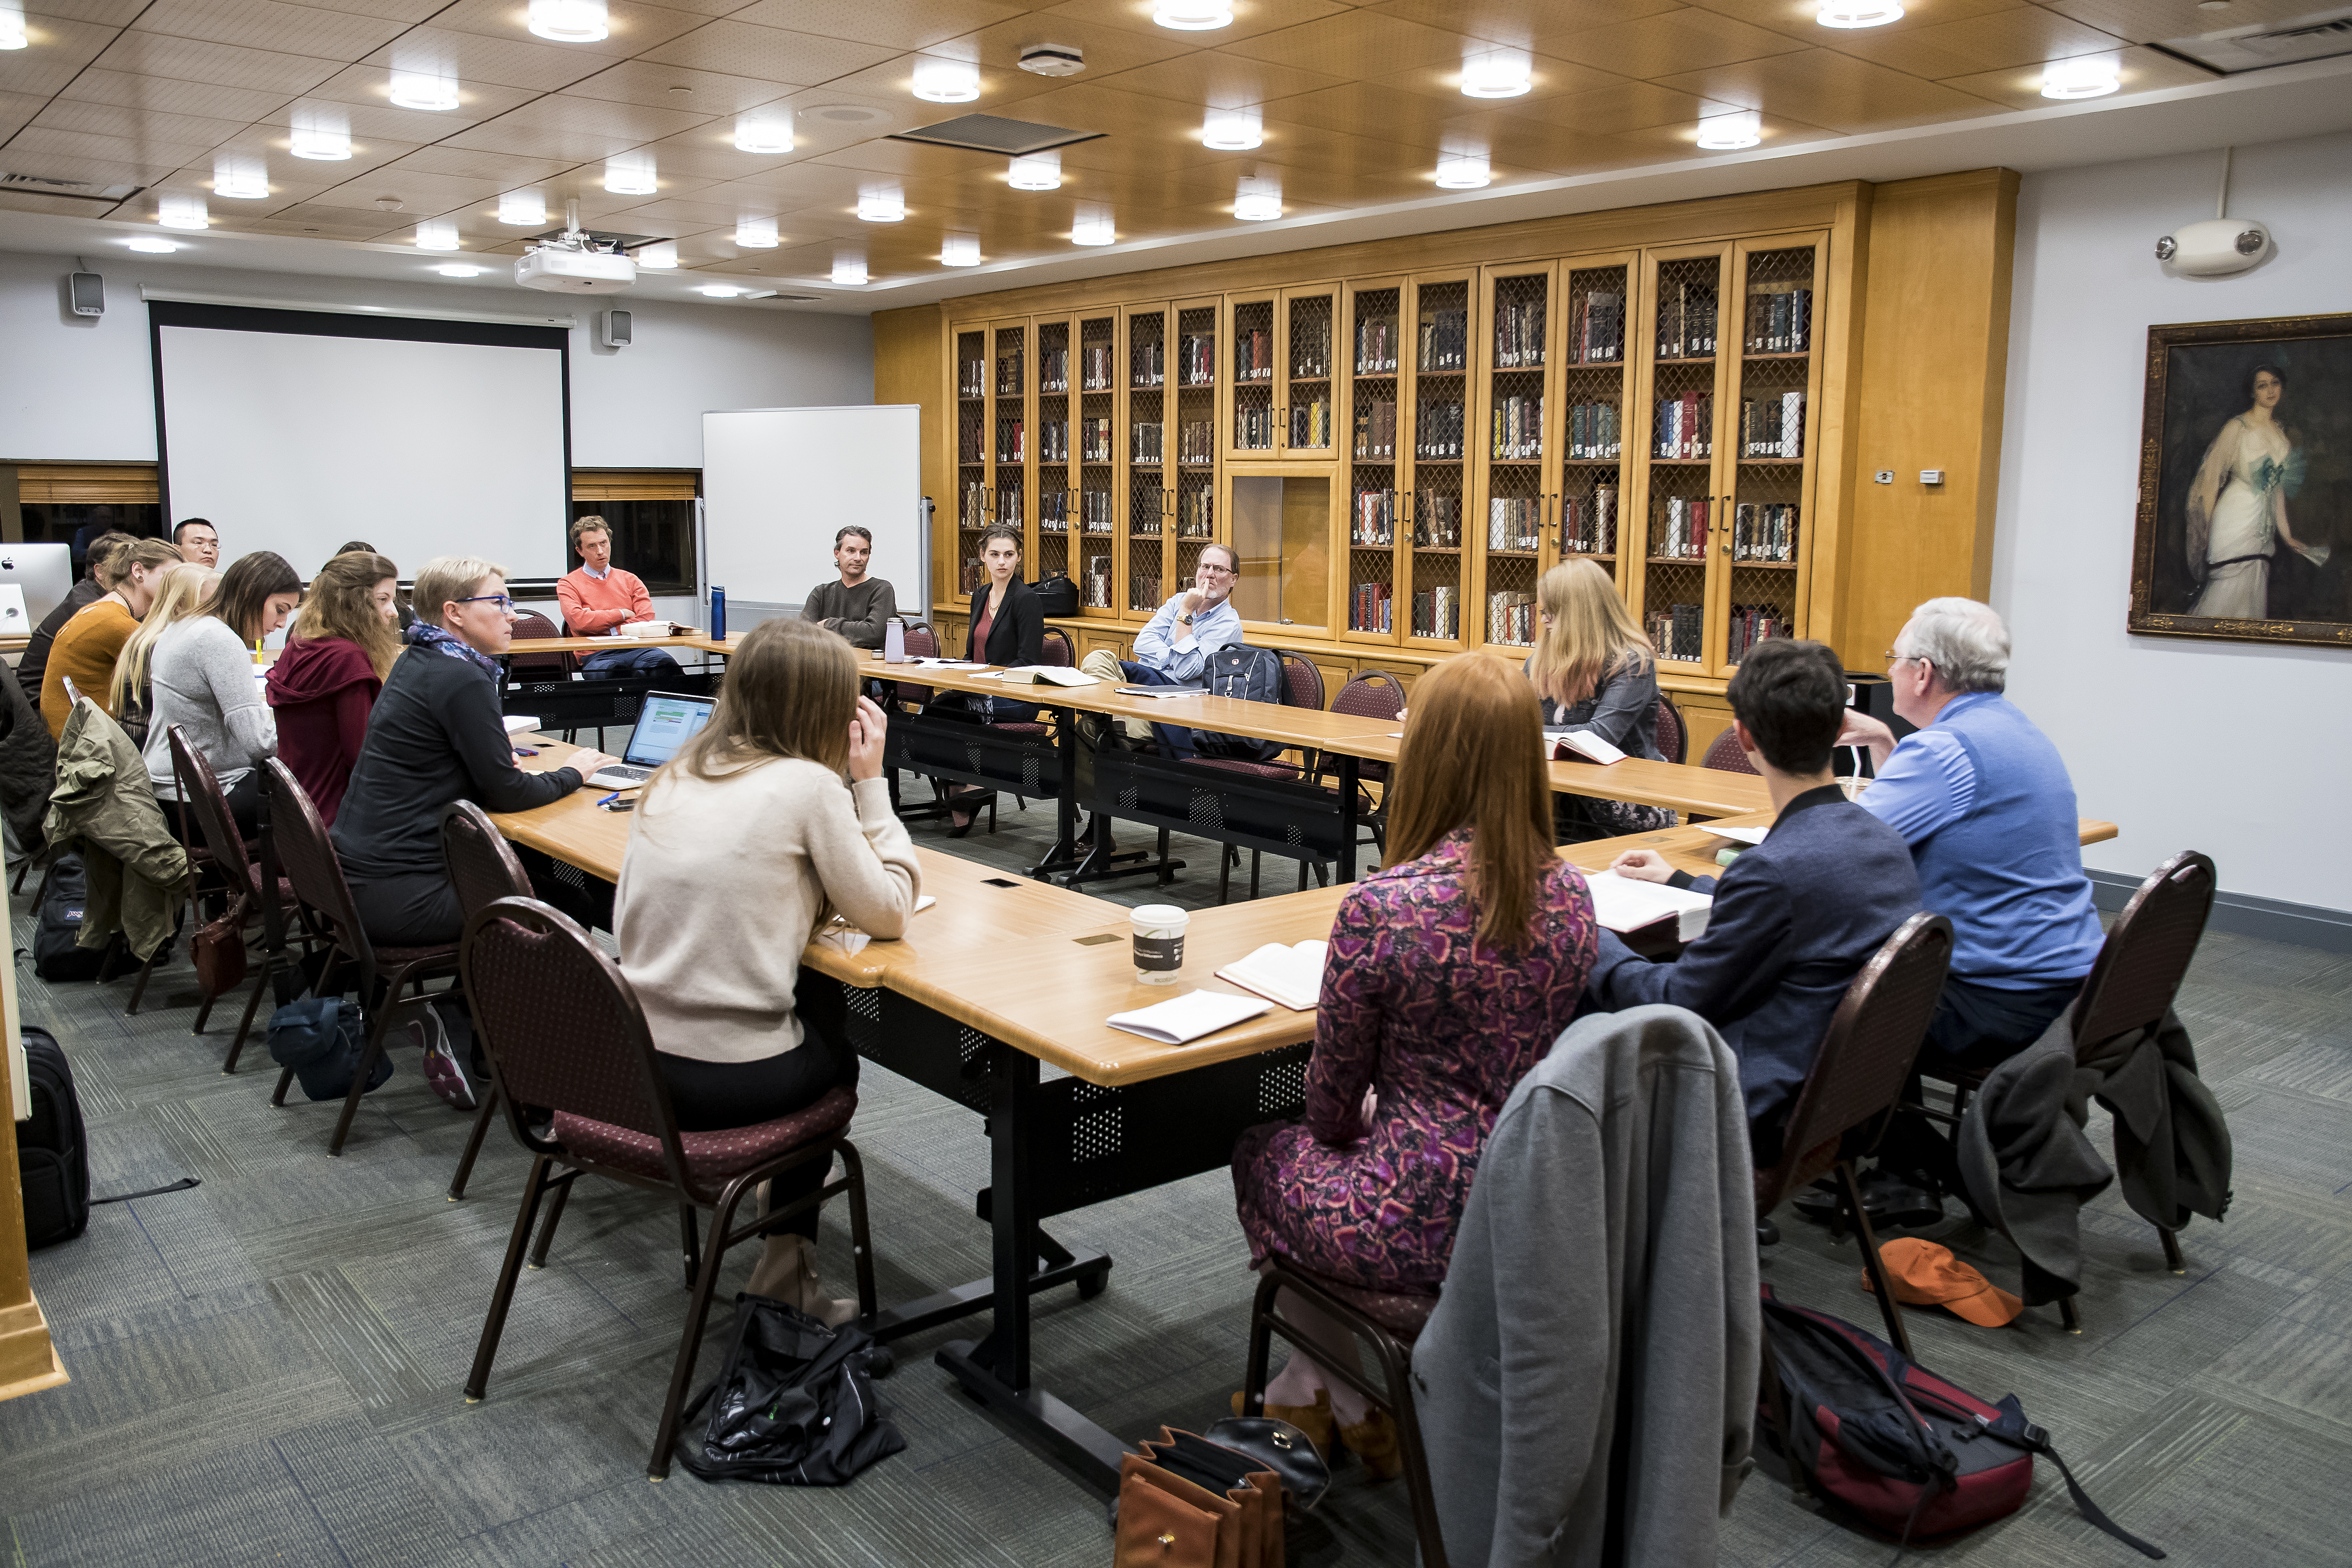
<point>2238,497</point>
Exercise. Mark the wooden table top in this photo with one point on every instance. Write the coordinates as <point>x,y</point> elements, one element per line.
<point>692,639</point>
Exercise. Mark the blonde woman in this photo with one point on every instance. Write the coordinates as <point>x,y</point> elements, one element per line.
<point>324,685</point>
<point>712,918</point>
<point>1596,673</point>
<point>181,592</point>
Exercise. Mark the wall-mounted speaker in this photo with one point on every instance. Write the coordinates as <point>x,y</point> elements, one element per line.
<point>613,328</point>
<point>86,292</point>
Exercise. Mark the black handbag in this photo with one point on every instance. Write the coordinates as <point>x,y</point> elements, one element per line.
<point>1281,1447</point>
<point>1057,595</point>
<point>793,1405</point>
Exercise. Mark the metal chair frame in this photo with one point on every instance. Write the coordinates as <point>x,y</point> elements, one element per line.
<point>484,869</point>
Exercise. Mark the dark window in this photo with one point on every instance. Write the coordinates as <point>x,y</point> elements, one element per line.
<point>77,523</point>
<point>654,539</point>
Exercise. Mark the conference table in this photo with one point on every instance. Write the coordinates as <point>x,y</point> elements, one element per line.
<point>1078,1112</point>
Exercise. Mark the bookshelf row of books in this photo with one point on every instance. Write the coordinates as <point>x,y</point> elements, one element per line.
<point>1095,361</point>
<point>1096,583</point>
<point>1094,512</point>
<point>1196,441</point>
<point>1751,625</point>
<point>1053,370</point>
<point>1196,514</point>
<point>1008,375</point>
<point>1093,439</point>
<point>1678,529</point>
<point>1517,422</point>
<point>1311,423</point>
<point>1780,322</point>
<point>1196,359</point>
<point>1310,349</point>
<point>1685,319</point>
<point>1148,445</point>
<point>1511,618</point>
<point>1764,531</point>
<point>1252,426</point>
<point>1147,365</point>
<point>1445,340</point>
<point>1054,440</point>
<point>1369,606</point>
<point>972,378</point>
<point>1143,592</point>
<point>1519,334</point>
<point>1514,522</point>
<point>1253,353</point>
<point>971,507</point>
<point>1011,441</point>
<point>1675,632</point>
<point>1436,521</point>
<point>1437,613</point>
<point>1588,524</point>
<point>1376,344</point>
<point>1772,426</point>
<point>971,575</point>
<point>1438,430</point>
<point>1686,426</point>
<point>1375,518</point>
<point>1376,422</point>
<point>1595,430</point>
<point>1598,336</point>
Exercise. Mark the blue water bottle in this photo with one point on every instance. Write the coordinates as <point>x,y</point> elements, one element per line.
<point>718,614</point>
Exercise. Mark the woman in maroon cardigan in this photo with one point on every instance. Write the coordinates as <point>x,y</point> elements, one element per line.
<point>324,685</point>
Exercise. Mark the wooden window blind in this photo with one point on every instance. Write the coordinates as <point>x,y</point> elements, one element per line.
<point>88,484</point>
<point>634,484</point>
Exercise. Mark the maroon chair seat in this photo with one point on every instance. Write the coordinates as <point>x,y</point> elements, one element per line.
<point>713,1157</point>
<point>1401,1313</point>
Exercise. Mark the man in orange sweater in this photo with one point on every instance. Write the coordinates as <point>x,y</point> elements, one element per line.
<point>600,599</point>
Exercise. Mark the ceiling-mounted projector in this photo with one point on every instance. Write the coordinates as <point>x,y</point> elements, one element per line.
<point>575,263</point>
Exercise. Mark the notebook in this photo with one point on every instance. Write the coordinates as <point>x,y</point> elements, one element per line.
<point>1159,691</point>
<point>1567,745</point>
<point>664,724</point>
<point>1625,905</point>
<point>519,722</point>
<point>1047,674</point>
<point>1180,1020</point>
<point>1290,975</point>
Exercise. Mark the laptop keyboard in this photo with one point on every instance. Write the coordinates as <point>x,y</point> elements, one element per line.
<point>623,770</point>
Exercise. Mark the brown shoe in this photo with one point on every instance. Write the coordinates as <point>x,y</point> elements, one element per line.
<point>1375,1441</point>
<point>1315,1419</point>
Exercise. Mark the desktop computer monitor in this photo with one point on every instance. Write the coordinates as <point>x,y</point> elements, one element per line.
<point>43,575</point>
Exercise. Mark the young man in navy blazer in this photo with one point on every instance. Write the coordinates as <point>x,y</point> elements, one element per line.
<point>1795,917</point>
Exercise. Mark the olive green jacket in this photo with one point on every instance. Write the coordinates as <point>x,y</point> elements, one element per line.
<point>104,808</point>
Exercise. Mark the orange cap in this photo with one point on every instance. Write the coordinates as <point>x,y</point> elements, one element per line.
<point>1925,1274</point>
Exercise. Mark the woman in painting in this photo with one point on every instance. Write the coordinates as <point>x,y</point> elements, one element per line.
<point>2238,505</point>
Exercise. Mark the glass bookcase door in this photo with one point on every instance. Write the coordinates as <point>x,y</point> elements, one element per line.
<point>1094,398</point>
<point>1434,373</point>
<point>1375,369</point>
<point>1682,326</point>
<point>974,502</point>
<point>1194,515</point>
<point>1009,431</point>
<point>1251,346</point>
<point>1514,376</point>
<point>1281,530</point>
<point>1763,550</point>
<point>1057,492</point>
<point>1307,400</point>
<point>1589,461</point>
<point>1148,455</point>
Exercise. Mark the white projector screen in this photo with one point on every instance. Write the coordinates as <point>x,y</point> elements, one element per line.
<point>778,482</point>
<point>296,431</point>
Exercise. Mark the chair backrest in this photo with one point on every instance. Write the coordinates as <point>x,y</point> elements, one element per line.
<point>1674,740</point>
<point>1725,755</point>
<point>1374,694</point>
<point>1302,682</point>
<point>1865,1056</point>
<point>482,866</point>
<point>921,643</point>
<point>1058,647</point>
<point>307,857</point>
<point>202,799</point>
<point>560,1024</point>
<point>2146,954</point>
<point>531,624</point>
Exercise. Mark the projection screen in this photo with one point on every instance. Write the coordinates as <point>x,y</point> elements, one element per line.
<point>298,430</point>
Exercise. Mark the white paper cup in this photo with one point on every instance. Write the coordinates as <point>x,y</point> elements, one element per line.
<point>1158,943</point>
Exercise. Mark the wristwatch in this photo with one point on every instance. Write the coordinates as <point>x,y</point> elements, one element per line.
<point>1184,616</point>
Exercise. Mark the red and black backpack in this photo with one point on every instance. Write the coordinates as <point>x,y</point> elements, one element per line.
<point>1891,1443</point>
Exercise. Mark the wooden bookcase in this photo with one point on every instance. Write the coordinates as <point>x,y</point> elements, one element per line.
<point>1669,392</point>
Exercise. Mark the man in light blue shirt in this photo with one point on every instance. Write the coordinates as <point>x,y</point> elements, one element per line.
<point>1174,648</point>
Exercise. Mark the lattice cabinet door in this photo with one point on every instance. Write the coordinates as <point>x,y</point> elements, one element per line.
<point>1094,460</point>
<point>1307,401</point>
<point>1149,451</point>
<point>1515,381</point>
<point>1251,360</point>
<point>1590,463</point>
<point>1684,380</point>
<point>1057,450</point>
<point>1377,461</point>
<point>1433,436</point>
<point>1196,382</point>
<point>974,505</point>
<point>1010,434</point>
<point>1761,554</point>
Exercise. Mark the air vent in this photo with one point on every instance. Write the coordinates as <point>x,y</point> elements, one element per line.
<point>2317,37</point>
<point>80,190</point>
<point>994,133</point>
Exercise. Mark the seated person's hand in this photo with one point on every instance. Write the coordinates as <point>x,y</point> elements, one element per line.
<point>587,762</point>
<point>1643,866</point>
<point>867,729</point>
<point>1861,730</point>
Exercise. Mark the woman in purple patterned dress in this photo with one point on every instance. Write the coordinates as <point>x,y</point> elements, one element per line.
<point>1451,973</point>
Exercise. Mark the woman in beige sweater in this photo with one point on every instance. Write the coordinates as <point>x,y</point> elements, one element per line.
<point>743,845</point>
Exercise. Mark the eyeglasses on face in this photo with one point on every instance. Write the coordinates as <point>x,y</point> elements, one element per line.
<point>505,602</point>
<point>1213,567</point>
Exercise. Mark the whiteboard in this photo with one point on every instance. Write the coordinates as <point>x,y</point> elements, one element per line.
<point>778,482</point>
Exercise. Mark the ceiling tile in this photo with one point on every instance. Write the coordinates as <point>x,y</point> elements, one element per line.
<point>145,126</point>
<point>1221,78</point>
<point>1003,85</point>
<point>801,185</point>
<point>1631,106</point>
<point>1357,44</point>
<point>2141,70</point>
<point>421,195</point>
<point>893,23</point>
<point>636,28</point>
<point>268,24</point>
<point>221,65</point>
<point>56,50</point>
<point>1251,17</point>
<point>1800,19</point>
<point>65,155</point>
<point>768,54</point>
<point>1520,22</point>
<point>709,153</point>
<point>1674,41</point>
<point>507,171</point>
<point>103,13</point>
<point>1832,89</point>
<point>654,86</point>
<point>915,160</point>
<point>505,62</point>
<point>307,224</point>
<point>2150,21</point>
<point>366,92</point>
<point>578,129</point>
<point>166,95</point>
<point>407,12</point>
<point>16,109</point>
<point>2002,39</point>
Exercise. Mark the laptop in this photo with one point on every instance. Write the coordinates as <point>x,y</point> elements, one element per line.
<point>664,724</point>
<point>43,576</point>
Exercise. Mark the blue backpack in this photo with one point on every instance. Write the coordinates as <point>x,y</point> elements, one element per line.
<point>1252,674</point>
<point>319,1037</point>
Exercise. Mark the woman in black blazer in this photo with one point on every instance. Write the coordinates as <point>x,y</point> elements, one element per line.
<point>1014,632</point>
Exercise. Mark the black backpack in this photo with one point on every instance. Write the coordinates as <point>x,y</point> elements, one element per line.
<point>321,1039</point>
<point>1253,674</point>
<point>57,924</point>
<point>1057,595</point>
<point>52,1149</point>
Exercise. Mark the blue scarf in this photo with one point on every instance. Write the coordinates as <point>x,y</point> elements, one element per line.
<point>423,634</point>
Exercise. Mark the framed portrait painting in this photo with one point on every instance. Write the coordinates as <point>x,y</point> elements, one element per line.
<point>2245,482</point>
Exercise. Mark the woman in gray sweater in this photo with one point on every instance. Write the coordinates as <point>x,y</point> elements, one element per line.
<point>204,680</point>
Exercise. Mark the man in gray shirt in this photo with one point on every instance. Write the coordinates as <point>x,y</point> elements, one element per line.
<point>858,607</point>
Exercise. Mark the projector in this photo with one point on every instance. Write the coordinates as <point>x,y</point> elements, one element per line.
<point>562,269</point>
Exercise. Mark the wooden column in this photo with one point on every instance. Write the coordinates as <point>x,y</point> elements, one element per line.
<point>28,1362</point>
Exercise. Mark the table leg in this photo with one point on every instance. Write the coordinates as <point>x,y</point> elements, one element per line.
<point>1348,820</point>
<point>1063,855</point>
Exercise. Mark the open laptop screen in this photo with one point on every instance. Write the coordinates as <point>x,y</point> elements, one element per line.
<point>664,724</point>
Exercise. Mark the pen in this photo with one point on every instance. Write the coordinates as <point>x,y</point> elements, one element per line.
<point>608,799</point>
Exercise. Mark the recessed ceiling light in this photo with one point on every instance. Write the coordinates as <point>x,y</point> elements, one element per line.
<point>1730,133</point>
<point>887,206</point>
<point>1257,200</point>
<point>959,250</point>
<point>460,269</point>
<point>1503,73</point>
<point>1038,172</point>
<point>630,174</point>
<point>437,233</point>
<point>1093,225</point>
<point>436,91</point>
<point>522,209</point>
<point>662,258</point>
<point>1858,13</point>
<point>721,291</point>
<point>570,21</point>
<point>181,212</point>
<point>849,271</point>
<point>764,130</point>
<point>757,234</point>
<point>1233,130</point>
<point>946,81</point>
<point>2090,78</point>
<point>1194,16</point>
<point>153,246</point>
<point>321,133</point>
<point>241,178</point>
<point>1463,171</point>
<point>12,30</point>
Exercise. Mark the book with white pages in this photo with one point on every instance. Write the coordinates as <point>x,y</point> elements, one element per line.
<point>1290,975</point>
<point>1749,836</point>
<point>1047,674</point>
<point>1567,745</point>
<point>1180,1020</point>
<point>1625,905</point>
<point>1160,691</point>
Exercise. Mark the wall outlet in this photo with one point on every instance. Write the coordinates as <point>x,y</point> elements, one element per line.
<point>1885,475</point>
<point>1931,476</point>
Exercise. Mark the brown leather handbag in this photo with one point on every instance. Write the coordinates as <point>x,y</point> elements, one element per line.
<point>1186,1502</point>
<point>217,949</point>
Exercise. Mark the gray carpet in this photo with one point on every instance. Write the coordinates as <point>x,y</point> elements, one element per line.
<point>268,1369</point>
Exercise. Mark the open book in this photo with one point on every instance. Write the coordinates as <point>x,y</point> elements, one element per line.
<point>1569,745</point>
<point>1047,674</point>
<point>646,629</point>
<point>1290,975</point>
<point>1159,691</point>
<point>1625,905</point>
<point>519,722</point>
<point>1180,1020</point>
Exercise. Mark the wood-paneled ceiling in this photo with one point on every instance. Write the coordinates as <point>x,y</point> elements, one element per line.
<point>1356,102</point>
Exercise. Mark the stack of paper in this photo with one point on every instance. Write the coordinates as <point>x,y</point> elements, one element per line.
<point>1625,905</point>
<point>1290,975</point>
<point>519,722</point>
<point>1183,1019</point>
